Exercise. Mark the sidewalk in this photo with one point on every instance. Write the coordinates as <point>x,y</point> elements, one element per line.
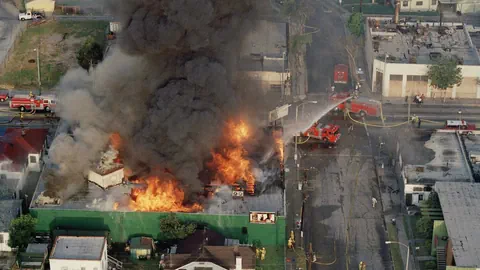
<point>392,203</point>
<point>293,211</point>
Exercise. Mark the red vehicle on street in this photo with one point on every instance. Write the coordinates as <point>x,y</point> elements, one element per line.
<point>32,102</point>
<point>326,133</point>
<point>4,96</point>
<point>340,74</point>
<point>360,106</point>
<point>461,125</point>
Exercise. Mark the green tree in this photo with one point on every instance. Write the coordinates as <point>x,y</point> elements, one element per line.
<point>173,228</point>
<point>90,54</point>
<point>425,227</point>
<point>355,24</point>
<point>445,74</point>
<point>431,265</point>
<point>299,40</point>
<point>20,231</point>
<point>433,201</point>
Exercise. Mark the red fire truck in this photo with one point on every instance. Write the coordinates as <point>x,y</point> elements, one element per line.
<point>340,74</point>
<point>32,102</point>
<point>4,96</point>
<point>326,133</point>
<point>360,106</point>
<point>461,125</point>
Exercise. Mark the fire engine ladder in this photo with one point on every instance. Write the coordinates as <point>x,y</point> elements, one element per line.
<point>114,263</point>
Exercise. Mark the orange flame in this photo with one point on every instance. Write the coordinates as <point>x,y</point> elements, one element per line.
<point>115,206</point>
<point>160,196</point>
<point>279,143</point>
<point>237,133</point>
<point>230,162</point>
<point>116,141</point>
<point>232,166</point>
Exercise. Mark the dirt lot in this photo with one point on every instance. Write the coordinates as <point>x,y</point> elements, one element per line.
<point>58,42</point>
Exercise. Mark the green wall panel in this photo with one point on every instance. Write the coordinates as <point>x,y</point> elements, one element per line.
<point>123,225</point>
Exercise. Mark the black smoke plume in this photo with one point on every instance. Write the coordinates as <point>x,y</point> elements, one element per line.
<point>165,87</point>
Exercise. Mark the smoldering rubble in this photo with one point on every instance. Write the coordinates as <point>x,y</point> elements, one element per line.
<point>166,89</point>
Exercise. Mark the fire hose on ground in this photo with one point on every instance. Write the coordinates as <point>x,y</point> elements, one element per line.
<point>372,125</point>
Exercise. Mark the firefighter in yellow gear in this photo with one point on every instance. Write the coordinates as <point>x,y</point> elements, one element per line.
<point>362,266</point>
<point>263,254</point>
<point>31,94</point>
<point>21,116</point>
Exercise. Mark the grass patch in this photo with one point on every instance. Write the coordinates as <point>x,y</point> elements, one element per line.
<point>274,259</point>
<point>57,43</point>
<point>394,248</point>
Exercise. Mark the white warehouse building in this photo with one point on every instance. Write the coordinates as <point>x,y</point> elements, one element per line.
<point>79,253</point>
<point>399,56</point>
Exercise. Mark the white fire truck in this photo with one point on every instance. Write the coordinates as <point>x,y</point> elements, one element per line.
<point>33,103</point>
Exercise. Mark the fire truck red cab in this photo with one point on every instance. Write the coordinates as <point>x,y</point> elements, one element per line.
<point>460,125</point>
<point>27,102</point>
<point>340,74</point>
<point>4,96</point>
<point>327,133</point>
<point>360,106</point>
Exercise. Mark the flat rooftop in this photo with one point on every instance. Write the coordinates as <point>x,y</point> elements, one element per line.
<point>448,165</point>
<point>92,197</point>
<point>78,248</point>
<point>472,147</point>
<point>422,43</point>
<point>265,38</point>
<point>461,210</point>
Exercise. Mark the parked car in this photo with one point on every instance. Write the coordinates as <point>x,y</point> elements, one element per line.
<point>30,15</point>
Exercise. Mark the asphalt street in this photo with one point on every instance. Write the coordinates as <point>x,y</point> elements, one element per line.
<point>326,49</point>
<point>339,219</point>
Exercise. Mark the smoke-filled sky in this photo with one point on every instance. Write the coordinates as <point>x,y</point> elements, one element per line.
<point>166,90</point>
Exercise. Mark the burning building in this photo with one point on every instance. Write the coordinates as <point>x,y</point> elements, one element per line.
<point>134,205</point>
<point>166,90</point>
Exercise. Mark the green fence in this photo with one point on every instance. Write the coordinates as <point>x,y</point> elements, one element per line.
<point>123,225</point>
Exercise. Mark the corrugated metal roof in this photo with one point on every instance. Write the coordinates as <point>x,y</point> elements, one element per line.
<point>461,210</point>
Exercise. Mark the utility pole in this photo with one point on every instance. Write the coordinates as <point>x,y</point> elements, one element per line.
<point>310,256</point>
<point>409,102</point>
<point>39,82</point>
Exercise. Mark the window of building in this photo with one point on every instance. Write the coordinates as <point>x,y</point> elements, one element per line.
<point>420,197</point>
<point>405,3</point>
<point>1,239</point>
<point>33,159</point>
<point>434,2</point>
<point>418,189</point>
<point>415,78</point>
<point>396,77</point>
<point>419,3</point>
